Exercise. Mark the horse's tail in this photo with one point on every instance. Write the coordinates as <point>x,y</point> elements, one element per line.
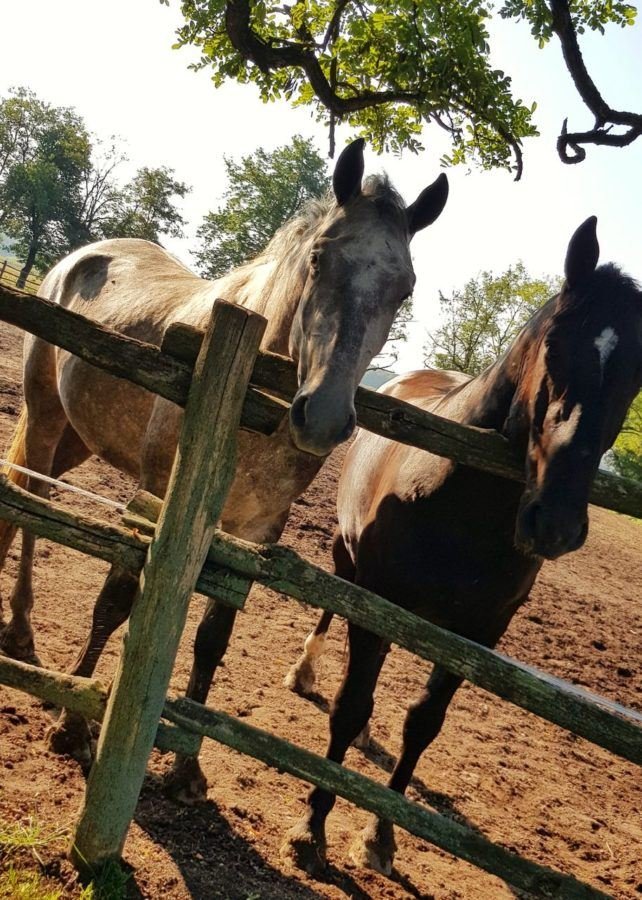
<point>15,455</point>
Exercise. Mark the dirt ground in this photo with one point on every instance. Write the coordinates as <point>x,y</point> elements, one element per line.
<point>518,780</point>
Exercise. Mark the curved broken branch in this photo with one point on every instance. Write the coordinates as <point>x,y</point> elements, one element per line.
<point>569,144</point>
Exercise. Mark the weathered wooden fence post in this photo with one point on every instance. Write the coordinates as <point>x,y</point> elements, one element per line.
<point>202,473</point>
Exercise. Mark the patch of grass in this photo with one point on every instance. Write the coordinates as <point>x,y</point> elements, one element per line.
<point>26,884</point>
<point>109,884</point>
<point>30,836</point>
<point>23,844</point>
<point>18,880</point>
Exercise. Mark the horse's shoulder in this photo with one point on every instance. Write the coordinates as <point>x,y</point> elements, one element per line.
<point>424,385</point>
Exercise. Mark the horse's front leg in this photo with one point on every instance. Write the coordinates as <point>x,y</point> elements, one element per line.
<point>375,847</point>
<point>186,781</point>
<point>71,735</point>
<point>305,844</point>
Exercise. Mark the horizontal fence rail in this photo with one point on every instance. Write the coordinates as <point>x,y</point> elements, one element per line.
<point>124,547</point>
<point>367,794</point>
<point>232,564</point>
<point>85,696</point>
<point>167,371</point>
<point>190,721</point>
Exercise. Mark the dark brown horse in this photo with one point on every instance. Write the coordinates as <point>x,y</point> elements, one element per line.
<point>460,547</point>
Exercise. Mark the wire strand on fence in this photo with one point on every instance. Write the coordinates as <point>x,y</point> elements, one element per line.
<point>115,504</point>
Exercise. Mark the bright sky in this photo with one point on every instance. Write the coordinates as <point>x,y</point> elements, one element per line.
<point>113,62</point>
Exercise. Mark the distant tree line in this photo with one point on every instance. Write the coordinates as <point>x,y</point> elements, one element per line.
<point>59,187</point>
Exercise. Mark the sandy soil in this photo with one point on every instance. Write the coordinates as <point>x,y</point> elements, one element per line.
<point>519,781</point>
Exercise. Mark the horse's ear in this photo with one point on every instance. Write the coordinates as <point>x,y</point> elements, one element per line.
<point>428,206</point>
<point>348,172</point>
<point>582,254</point>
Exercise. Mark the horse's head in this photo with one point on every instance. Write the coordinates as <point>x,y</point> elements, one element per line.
<point>579,376</point>
<point>358,274</point>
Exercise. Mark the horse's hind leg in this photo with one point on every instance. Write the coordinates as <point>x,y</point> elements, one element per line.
<point>70,735</point>
<point>305,843</point>
<point>45,424</point>
<point>302,675</point>
<point>186,781</point>
<point>375,847</point>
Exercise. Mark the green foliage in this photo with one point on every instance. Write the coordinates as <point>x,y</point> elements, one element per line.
<point>627,451</point>
<point>44,151</point>
<point>58,189</point>
<point>480,321</point>
<point>146,208</point>
<point>385,67</point>
<point>264,191</point>
<point>591,14</point>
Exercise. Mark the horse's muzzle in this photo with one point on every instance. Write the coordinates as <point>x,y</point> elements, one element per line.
<point>549,532</point>
<point>318,426</point>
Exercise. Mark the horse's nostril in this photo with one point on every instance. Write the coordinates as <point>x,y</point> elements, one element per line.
<point>352,421</point>
<point>529,519</point>
<point>297,412</point>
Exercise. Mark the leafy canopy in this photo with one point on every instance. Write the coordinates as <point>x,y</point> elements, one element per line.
<point>386,67</point>
<point>480,321</point>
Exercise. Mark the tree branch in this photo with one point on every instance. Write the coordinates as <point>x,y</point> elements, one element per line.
<point>292,55</point>
<point>569,144</point>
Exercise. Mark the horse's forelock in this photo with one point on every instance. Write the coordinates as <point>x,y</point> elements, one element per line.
<point>305,224</point>
<point>608,284</point>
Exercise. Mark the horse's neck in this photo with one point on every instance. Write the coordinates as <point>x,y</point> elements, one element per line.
<point>268,287</point>
<point>485,400</point>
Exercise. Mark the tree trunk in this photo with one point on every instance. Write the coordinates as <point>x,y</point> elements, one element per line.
<point>28,266</point>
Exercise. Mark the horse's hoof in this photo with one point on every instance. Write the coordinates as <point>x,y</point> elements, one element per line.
<point>362,740</point>
<point>185,781</point>
<point>304,849</point>
<point>375,848</point>
<point>23,651</point>
<point>300,679</point>
<point>71,736</point>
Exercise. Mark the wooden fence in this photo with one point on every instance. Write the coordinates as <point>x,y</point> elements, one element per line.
<point>175,542</point>
<point>9,275</point>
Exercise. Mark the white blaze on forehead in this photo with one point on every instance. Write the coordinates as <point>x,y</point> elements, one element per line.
<point>605,344</point>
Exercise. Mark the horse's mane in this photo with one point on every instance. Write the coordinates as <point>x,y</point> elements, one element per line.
<point>610,278</point>
<point>376,188</point>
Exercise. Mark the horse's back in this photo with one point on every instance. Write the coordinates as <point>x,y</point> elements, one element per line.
<point>424,386</point>
<point>376,467</point>
<point>129,284</point>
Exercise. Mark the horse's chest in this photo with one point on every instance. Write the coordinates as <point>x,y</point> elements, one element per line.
<point>270,474</point>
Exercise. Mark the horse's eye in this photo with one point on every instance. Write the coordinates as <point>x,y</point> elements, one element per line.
<point>314,261</point>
